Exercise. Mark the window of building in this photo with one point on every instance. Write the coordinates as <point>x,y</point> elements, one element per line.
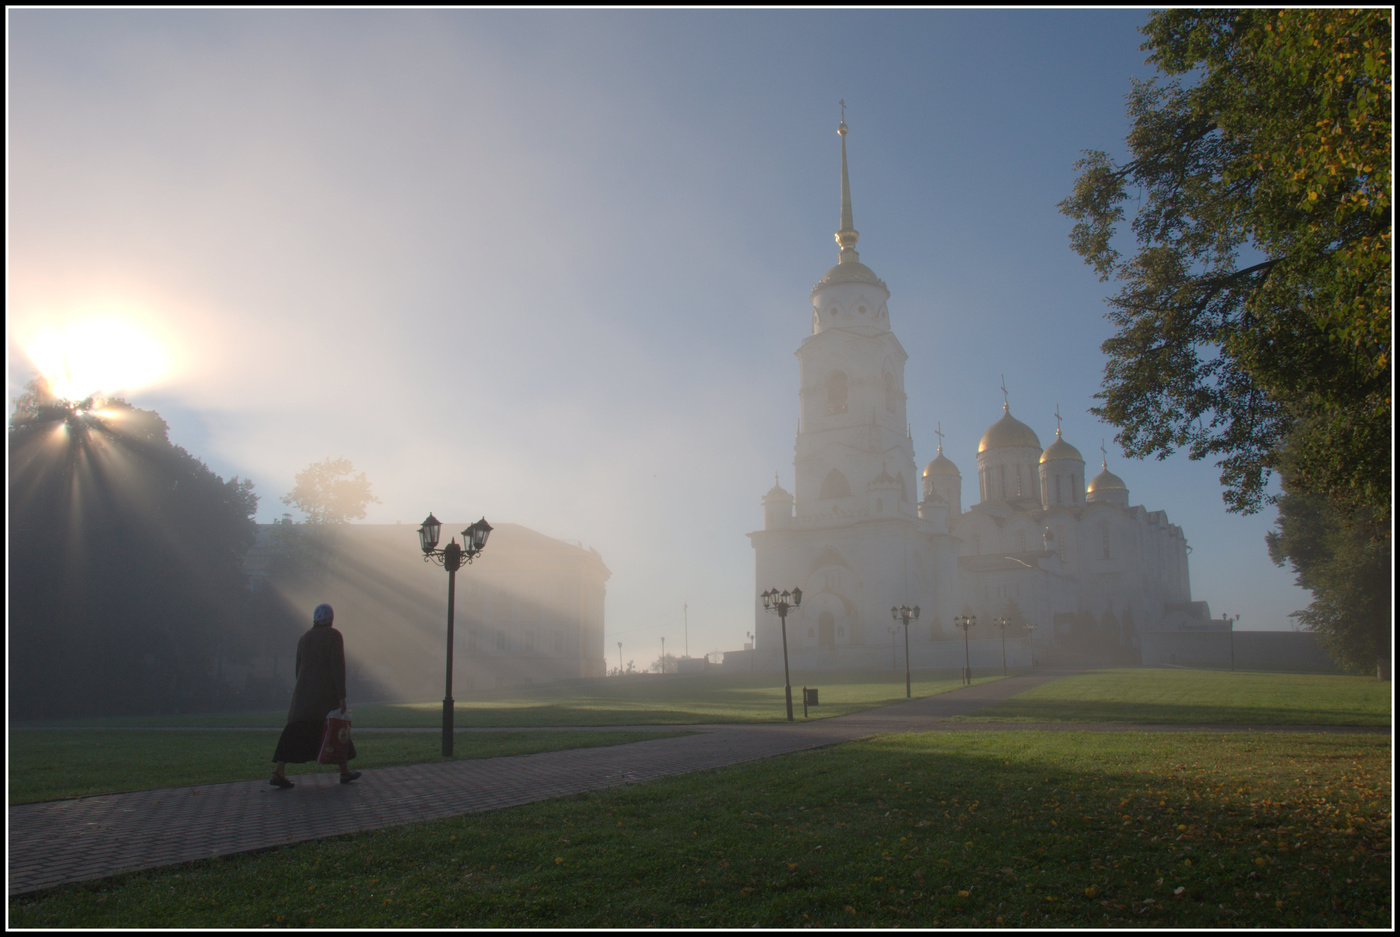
<point>836,392</point>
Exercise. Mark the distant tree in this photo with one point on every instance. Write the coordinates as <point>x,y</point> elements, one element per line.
<point>330,492</point>
<point>1348,571</point>
<point>1011,611</point>
<point>125,560</point>
<point>666,663</point>
<point>1257,308</point>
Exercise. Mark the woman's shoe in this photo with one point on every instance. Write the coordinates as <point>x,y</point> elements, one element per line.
<point>347,778</point>
<point>278,780</point>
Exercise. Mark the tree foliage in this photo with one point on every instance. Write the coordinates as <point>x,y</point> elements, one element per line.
<point>1256,310</point>
<point>125,561</point>
<point>330,492</point>
<point>1348,571</point>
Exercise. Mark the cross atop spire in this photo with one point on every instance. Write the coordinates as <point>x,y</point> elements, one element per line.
<point>1104,450</point>
<point>939,433</point>
<point>1057,419</point>
<point>1005,398</point>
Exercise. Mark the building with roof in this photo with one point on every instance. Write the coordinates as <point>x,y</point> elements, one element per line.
<point>864,530</point>
<point>528,610</point>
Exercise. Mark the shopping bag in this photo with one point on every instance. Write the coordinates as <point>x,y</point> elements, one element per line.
<point>335,740</point>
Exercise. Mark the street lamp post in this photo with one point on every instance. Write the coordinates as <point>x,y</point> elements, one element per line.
<point>451,558</point>
<point>1030,645</point>
<point>904,613</point>
<point>966,623</point>
<point>753,649</point>
<point>619,658</point>
<point>1232,636</point>
<point>1001,624</point>
<point>779,603</point>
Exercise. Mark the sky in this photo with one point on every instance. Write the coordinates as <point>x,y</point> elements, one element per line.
<point>551,267</point>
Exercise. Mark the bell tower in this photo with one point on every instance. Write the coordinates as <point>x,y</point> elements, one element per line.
<point>854,453</point>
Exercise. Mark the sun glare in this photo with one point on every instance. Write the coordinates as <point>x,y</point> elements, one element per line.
<point>97,356</point>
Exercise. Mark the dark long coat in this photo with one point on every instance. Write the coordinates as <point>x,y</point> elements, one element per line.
<point>320,675</point>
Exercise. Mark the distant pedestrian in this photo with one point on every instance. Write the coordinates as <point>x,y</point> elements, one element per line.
<point>320,688</point>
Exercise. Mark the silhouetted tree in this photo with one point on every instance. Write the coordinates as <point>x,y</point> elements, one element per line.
<point>1336,556</point>
<point>125,560</point>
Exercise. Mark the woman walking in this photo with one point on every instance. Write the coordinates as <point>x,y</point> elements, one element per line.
<point>320,688</point>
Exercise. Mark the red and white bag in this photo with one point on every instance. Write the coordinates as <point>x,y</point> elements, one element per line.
<point>335,740</point>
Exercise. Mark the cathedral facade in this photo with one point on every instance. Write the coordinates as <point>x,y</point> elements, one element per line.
<point>1067,565</point>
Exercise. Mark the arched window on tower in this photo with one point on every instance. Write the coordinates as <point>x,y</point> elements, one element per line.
<point>836,392</point>
<point>890,403</point>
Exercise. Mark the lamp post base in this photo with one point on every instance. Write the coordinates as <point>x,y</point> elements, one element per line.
<point>447,727</point>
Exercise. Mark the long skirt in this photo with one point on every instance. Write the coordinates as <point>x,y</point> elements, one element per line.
<point>301,741</point>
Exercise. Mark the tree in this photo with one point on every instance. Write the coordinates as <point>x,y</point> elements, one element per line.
<point>1256,310</point>
<point>330,493</point>
<point>1335,557</point>
<point>125,560</point>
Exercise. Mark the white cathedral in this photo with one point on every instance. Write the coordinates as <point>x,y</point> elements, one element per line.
<point>863,532</point>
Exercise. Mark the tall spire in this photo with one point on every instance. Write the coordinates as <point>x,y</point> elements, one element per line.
<point>848,235</point>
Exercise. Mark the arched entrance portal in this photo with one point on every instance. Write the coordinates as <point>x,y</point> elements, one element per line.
<point>826,630</point>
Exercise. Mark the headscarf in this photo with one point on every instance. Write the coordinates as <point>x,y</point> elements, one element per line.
<point>323,615</point>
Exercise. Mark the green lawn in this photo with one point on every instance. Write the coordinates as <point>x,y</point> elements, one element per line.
<point>74,762</point>
<point>1201,697</point>
<point>944,829</point>
<point>53,764</point>
<point>636,700</point>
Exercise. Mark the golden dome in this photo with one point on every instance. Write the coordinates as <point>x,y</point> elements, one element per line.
<point>1106,481</point>
<point>941,465</point>
<point>1007,432</point>
<point>1059,450</point>
<point>849,272</point>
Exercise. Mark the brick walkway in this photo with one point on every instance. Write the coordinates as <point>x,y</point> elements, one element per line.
<point>64,841</point>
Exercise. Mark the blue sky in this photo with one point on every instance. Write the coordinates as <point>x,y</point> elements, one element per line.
<point>551,266</point>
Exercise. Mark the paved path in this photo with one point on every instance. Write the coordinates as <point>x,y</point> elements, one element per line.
<point>58,842</point>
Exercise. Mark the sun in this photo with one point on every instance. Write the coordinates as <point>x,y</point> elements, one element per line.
<point>97,356</point>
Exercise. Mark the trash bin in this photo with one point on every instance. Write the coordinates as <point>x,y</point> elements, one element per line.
<point>809,697</point>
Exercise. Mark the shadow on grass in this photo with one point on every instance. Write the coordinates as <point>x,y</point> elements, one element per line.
<point>1018,829</point>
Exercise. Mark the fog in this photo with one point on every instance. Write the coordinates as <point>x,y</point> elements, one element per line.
<point>550,267</point>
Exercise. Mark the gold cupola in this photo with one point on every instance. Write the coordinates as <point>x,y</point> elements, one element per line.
<point>1008,432</point>
<point>1106,481</point>
<point>1059,450</point>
